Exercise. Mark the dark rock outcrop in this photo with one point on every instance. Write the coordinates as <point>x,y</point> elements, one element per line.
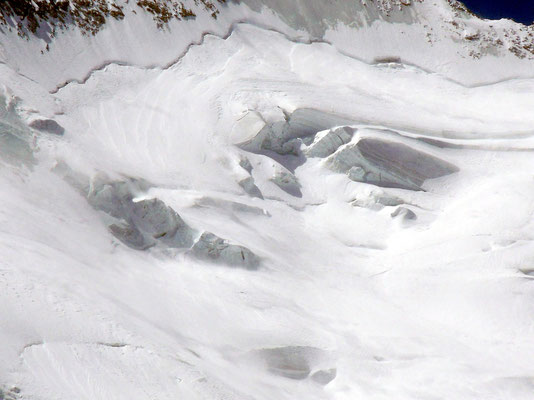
<point>288,182</point>
<point>215,249</point>
<point>48,126</point>
<point>250,187</point>
<point>141,224</point>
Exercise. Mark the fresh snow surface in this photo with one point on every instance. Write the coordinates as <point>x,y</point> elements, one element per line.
<point>353,291</point>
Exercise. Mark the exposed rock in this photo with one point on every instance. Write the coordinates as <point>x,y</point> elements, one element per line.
<point>404,213</point>
<point>389,201</point>
<point>387,60</point>
<point>48,126</point>
<point>112,198</point>
<point>147,222</point>
<point>153,216</point>
<point>324,377</point>
<point>139,225</point>
<point>215,249</point>
<point>250,187</point>
<point>244,163</point>
<point>161,222</point>
<point>11,394</point>
<point>327,142</point>
<point>388,163</point>
<point>130,236</point>
<point>286,181</point>
<point>29,16</point>
<point>91,16</point>
<point>292,146</point>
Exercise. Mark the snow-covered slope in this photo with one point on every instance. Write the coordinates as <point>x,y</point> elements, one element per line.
<point>432,34</point>
<point>292,200</point>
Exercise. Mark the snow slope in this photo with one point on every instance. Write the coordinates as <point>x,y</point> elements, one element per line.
<point>383,185</point>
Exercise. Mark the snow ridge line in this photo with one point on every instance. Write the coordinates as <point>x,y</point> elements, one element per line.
<point>104,344</point>
<point>295,40</point>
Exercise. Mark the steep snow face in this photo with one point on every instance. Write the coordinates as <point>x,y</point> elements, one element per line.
<point>435,35</point>
<point>283,208</point>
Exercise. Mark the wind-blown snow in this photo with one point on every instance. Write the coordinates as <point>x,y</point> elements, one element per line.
<point>176,224</point>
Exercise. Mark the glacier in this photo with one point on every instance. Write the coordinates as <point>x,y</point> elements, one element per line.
<point>273,199</point>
